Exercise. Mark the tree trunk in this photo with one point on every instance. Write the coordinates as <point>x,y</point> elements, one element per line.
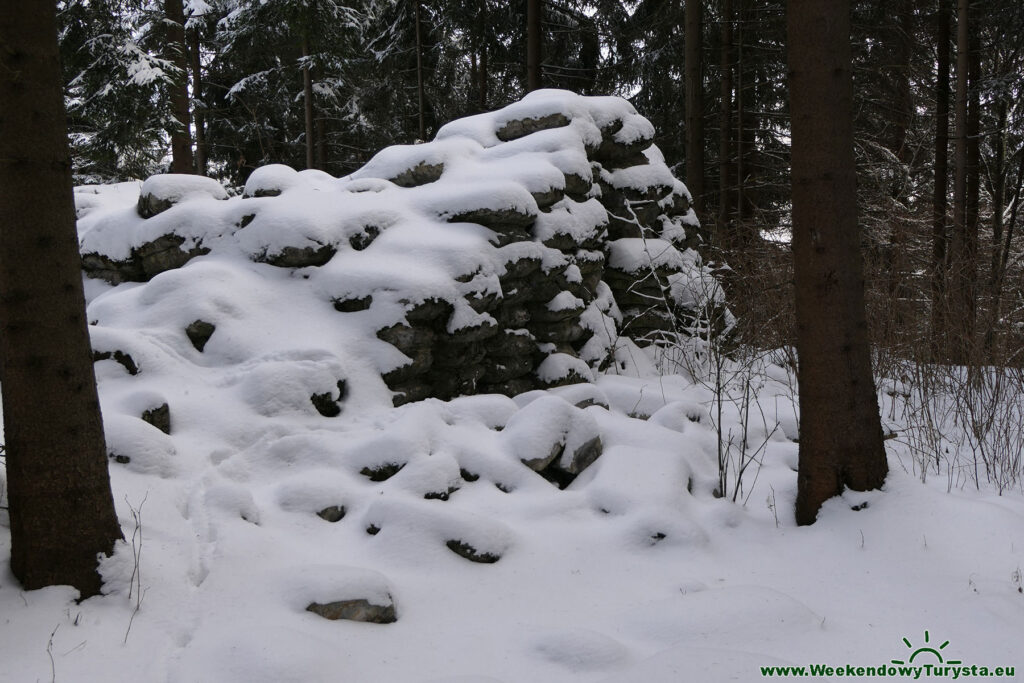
<point>747,122</point>
<point>307,100</point>
<point>694,104</point>
<point>589,54</point>
<point>61,508</point>
<point>1011,223</point>
<point>973,193</point>
<point>738,131</point>
<point>902,105</point>
<point>474,80</point>
<point>940,237</point>
<point>483,75</point>
<point>177,53</point>
<point>902,108</point>
<point>478,74</point>
<point>998,193</point>
<point>751,125</point>
<point>962,262</point>
<point>198,116</point>
<point>840,430</point>
<point>422,129</point>
<point>725,118</point>
<point>533,45</point>
<point>320,128</point>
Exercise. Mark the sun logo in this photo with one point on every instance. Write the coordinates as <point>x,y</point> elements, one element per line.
<point>925,649</point>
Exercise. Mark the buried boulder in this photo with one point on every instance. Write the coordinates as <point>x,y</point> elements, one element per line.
<point>554,438</point>
<point>463,549</point>
<point>338,592</point>
<point>359,609</point>
<point>161,192</point>
<point>199,332</point>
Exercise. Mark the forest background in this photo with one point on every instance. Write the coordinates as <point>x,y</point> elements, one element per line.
<point>219,88</point>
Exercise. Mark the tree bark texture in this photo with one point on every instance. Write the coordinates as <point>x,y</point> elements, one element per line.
<point>177,53</point>
<point>840,430</point>
<point>61,508</point>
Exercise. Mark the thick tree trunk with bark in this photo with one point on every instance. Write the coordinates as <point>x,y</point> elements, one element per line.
<point>61,508</point>
<point>534,80</point>
<point>694,104</point>
<point>177,52</point>
<point>840,430</point>
<point>940,235</point>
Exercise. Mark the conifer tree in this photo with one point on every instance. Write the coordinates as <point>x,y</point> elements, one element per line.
<point>60,504</point>
<point>840,428</point>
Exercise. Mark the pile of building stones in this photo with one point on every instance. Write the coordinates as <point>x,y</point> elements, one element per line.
<point>604,246</point>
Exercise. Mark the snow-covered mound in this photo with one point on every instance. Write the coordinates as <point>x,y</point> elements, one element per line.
<point>284,522</point>
<point>521,249</point>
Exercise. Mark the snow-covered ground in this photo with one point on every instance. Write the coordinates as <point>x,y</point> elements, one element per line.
<point>624,576</point>
<point>243,503</point>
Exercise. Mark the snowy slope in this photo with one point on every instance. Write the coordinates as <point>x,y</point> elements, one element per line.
<point>586,588</point>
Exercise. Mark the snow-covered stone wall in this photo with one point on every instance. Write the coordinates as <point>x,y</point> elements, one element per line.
<point>520,249</point>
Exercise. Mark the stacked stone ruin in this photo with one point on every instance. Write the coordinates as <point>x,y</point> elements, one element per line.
<point>600,245</point>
